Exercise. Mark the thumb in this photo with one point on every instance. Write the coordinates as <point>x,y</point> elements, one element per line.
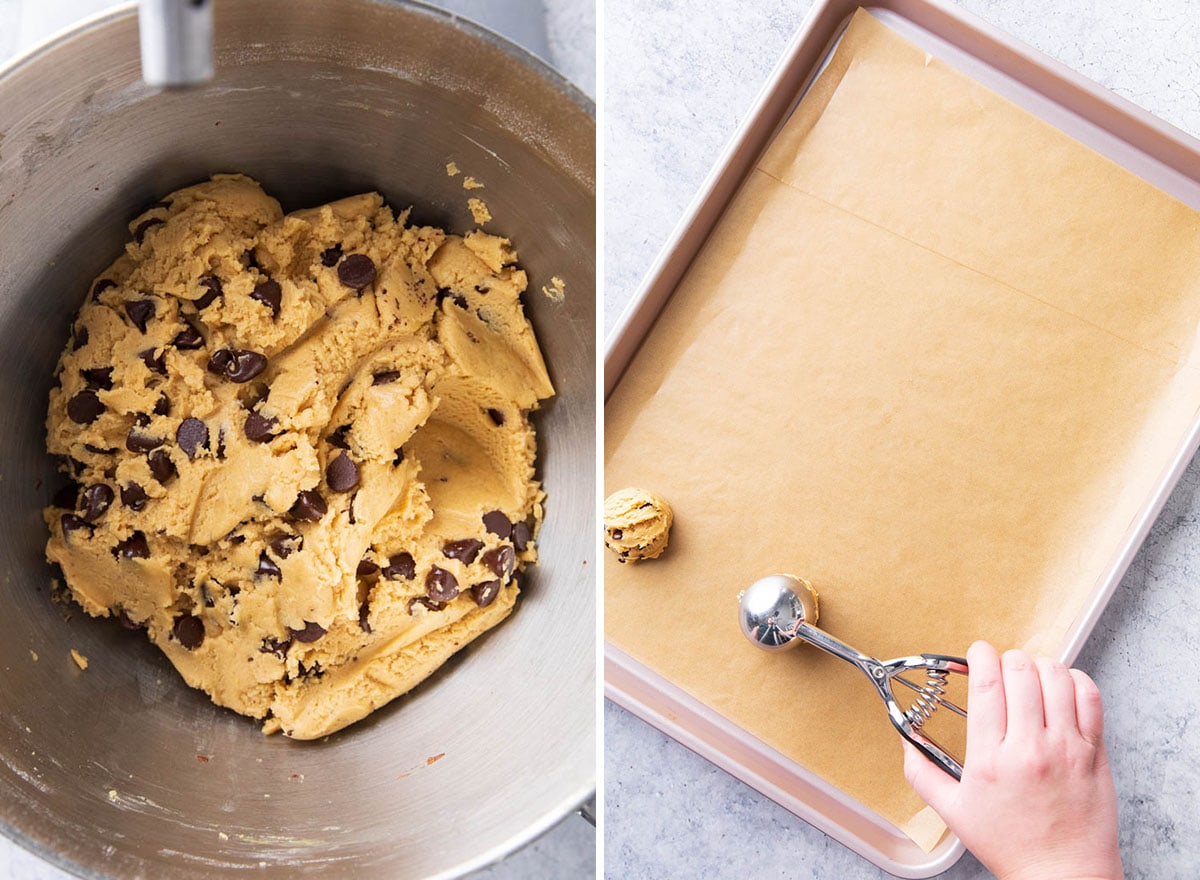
<point>934,786</point>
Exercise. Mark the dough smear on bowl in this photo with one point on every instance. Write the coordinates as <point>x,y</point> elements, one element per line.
<point>298,447</point>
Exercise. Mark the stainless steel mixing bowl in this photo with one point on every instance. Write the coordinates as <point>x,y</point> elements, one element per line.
<point>121,770</point>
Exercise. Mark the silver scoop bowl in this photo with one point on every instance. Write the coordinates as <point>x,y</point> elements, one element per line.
<point>780,611</point>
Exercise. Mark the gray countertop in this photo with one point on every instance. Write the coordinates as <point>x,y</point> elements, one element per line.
<point>564,34</point>
<point>678,78</point>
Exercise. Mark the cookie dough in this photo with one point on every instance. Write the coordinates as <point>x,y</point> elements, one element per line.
<point>637,524</point>
<point>298,448</point>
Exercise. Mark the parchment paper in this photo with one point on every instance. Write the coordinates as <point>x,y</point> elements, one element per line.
<point>935,357</point>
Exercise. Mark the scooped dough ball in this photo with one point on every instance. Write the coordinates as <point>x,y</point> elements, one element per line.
<point>637,524</point>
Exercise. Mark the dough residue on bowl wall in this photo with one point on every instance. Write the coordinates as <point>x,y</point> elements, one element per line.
<point>298,447</point>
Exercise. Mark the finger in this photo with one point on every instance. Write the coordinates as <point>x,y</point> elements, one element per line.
<point>1058,694</point>
<point>985,700</point>
<point>933,785</point>
<point>1022,696</point>
<point>1089,709</point>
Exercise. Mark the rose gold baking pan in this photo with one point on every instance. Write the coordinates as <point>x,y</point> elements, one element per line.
<point>1125,134</point>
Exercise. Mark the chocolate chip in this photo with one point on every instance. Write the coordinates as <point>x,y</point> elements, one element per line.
<point>251,259</point>
<point>386,377</point>
<point>259,428</point>
<point>441,585</point>
<point>284,545</point>
<point>154,364</point>
<point>141,419</point>
<point>102,285</point>
<point>498,524</point>
<point>270,294</point>
<point>366,568</point>
<point>221,443</point>
<point>99,378</point>
<point>460,301</point>
<point>309,506</point>
<point>497,416</point>
<point>466,550</point>
<point>364,611</point>
<point>338,437</point>
<point>401,566</point>
<point>134,496</point>
<point>267,567</point>
<point>192,436</point>
<point>133,547</point>
<point>162,406</point>
<point>500,560</point>
<point>99,450</point>
<point>189,631</point>
<point>485,593</point>
<point>66,497</point>
<point>72,523</point>
<point>139,234</point>
<point>356,271</point>
<point>136,441</point>
<point>85,407</point>
<point>188,339</point>
<point>128,622</point>
<point>213,284</point>
<point>310,633</point>
<point>330,256</point>
<point>140,311</point>
<point>341,474</point>
<point>96,500</point>
<point>521,536</point>
<point>161,466</point>
<point>399,459</point>
<point>617,534</point>
<point>237,366</point>
<point>427,602</point>
<point>81,339</point>
<point>276,647</point>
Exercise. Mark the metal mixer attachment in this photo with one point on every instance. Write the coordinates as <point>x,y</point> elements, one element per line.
<point>779,611</point>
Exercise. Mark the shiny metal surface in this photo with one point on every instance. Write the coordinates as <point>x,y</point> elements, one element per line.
<point>123,771</point>
<point>176,41</point>
<point>779,611</point>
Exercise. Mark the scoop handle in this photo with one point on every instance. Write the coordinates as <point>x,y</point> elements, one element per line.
<point>176,38</point>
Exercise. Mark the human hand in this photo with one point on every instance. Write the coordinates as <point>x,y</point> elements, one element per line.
<point>1036,800</point>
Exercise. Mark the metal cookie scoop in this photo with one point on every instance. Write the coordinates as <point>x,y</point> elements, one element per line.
<point>779,611</point>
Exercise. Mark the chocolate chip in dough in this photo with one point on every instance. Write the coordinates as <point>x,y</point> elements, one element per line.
<point>310,633</point>
<point>237,366</point>
<point>72,523</point>
<point>431,604</point>
<point>140,311</point>
<point>465,550</point>
<point>139,234</point>
<point>498,524</point>
<point>341,474</point>
<point>521,536</point>
<point>260,428</point>
<point>275,646</point>
<point>136,441</point>
<point>366,568</point>
<point>364,612</point>
<point>154,364</point>
<point>85,407</point>
<point>134,496</point>
<point>267,567</point>
<point>441,585</point>
<point>161,466</point>
<point>189,631</point>
<point>102,285</point>
<point>66,497</point>
<point>284,545</point>
<point>309,506</point>
<point>497,417</point>
<point>213,285</point>
<point>485,593</point>
<point>270,294</point>
<point>500,560</point>
<point>356,271</point>
<point>385,378</point>
<point>99,378</point>
<point>192,436</point>
<point>401,567</point>
<point>331,256</point>
<point>133,547</point>
<point>188,339</point>
<point>162,406</point>
<point>128,622</point>
<point>81,339</point>
<point>338,437</point>
<point>96,500</point>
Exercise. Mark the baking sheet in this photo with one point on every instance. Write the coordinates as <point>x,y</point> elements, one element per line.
<point>935,357</point>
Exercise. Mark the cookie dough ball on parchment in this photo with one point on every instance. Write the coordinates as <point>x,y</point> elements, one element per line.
<point>637,524</point>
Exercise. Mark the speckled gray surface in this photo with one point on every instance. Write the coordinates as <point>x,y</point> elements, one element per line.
<point>567,38</point>
<point>678,78</point>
